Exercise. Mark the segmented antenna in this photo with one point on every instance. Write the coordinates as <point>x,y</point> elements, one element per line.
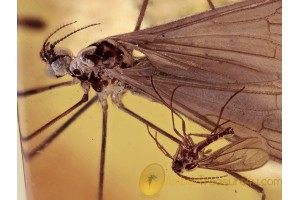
<point>43,54</point>
<point>63,26</point>
<point>49,55</point>
<point>204,180</point>
<point>58,41</point>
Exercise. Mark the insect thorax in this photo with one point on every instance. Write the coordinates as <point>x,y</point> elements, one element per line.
<point>92,63</point>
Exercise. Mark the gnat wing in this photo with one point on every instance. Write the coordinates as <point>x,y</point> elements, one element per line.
<point>214,54</point>
<point>231,45</point>
<point>246,154</point>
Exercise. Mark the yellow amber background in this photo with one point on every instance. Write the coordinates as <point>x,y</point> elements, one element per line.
<point>69,167</point>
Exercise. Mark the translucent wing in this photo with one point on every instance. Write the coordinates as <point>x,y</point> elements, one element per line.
<point>218,46</point>
<point>213,54</point>
<point>242,155</point>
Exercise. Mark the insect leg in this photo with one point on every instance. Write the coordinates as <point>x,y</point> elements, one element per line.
<point>42,89</point>
<point>222,109</point>
<point>172,111</point>
<point>211,5</point>
<point>203,134</point>
<point>58,131</point>
<point>158,144</point>
<point>141,15</point>
<point>249,183</point>
<point>121,106</point>
<point>38,131</point>
<point>103,147</point>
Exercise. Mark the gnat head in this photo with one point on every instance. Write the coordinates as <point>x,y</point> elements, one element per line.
<point>178,166</point>
<point>188,163</point>
<point>58,60</point>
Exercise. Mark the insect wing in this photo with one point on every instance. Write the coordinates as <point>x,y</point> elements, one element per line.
<point>213,54</point>
<point>242,155</point>
<point>218,46</point>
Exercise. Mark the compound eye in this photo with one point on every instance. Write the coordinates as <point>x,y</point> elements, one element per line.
<point>77,72</point>
<point>58,67</point>
<point>177,166</point>
<point>50,72</point>
<point>106,55</point>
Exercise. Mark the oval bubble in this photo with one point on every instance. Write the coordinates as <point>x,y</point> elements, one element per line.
<point>152,179</point>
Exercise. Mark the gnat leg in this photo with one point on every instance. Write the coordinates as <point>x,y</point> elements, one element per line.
<point>249,183</point>
<point>141,15</point>
<point>172,111</point>
<point>206,135</point>
<point>58,131</point>
<point>222,110</point>
<point>211,5</point>
<point>38,131</point>
<point>117,100</point>
<point>85,87</point>
<point>158,144</point>
<point>43,89</point>
<point>103,147</point>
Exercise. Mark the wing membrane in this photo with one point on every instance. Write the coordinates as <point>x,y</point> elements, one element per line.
<point>220,44</point>
<point>242,155</point>
<point>213,54</point>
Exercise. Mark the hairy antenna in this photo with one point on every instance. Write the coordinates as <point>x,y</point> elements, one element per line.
<point>58,41</point>
<point>63,26</point>
<point>43,54</point>
<point>48,55</point>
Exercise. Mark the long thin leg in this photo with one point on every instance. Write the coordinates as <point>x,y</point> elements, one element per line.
<point>58,131</point>
<point>249,183</point>
<point>141,15</point>
<point>202,135</point>
<point>103,148</point>
<point>222,110</point>
<point>172,111</point>
<point>143,10</point>
<point>43,89</point>
<point>159,145</point>
<point>206,135</point>
<point>38,131</point>
<point>211,5</point>
<point>141,119</point>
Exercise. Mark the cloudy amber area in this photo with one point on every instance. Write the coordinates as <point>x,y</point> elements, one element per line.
<point>69,167</point>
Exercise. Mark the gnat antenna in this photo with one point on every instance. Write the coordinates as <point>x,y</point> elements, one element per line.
<point>48,55</point>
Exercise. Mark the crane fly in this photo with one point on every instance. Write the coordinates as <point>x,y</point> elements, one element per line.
<point>241,155</point>
<point>212,54</point>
